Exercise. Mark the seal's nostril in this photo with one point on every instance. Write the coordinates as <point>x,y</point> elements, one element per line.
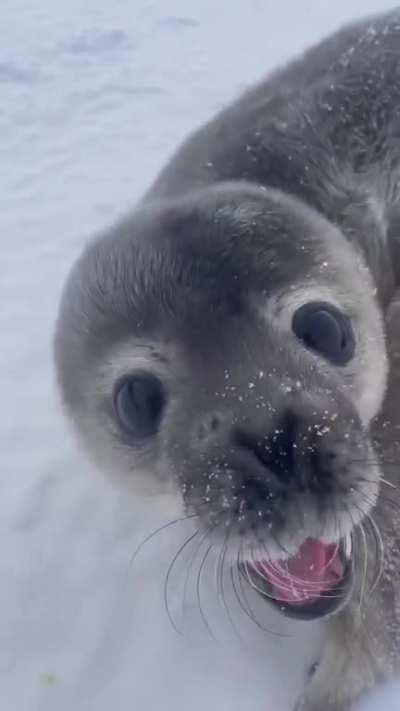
<point>209,427</point>
<point>276,451</point>
<point>215,423</point>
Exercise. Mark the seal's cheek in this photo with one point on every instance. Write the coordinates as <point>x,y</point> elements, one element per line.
<point>370,379</point>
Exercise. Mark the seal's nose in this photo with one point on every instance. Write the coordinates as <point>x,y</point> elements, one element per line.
<point>297,449</point>
<point>276,451</point>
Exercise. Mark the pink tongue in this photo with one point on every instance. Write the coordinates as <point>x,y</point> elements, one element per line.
<point>314,570</point>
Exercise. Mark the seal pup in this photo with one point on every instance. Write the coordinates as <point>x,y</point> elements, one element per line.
<point>228,342</point>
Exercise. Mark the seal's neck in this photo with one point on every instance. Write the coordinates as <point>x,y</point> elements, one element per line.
<point>362,216</point>
<point>364,223</point>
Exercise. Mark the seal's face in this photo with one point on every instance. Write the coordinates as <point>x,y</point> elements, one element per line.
<point>230,347</point>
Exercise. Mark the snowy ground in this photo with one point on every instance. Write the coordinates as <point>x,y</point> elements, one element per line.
<point>94,96</point>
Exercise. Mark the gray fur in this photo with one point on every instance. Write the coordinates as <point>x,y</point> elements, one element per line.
<point>289,195</point>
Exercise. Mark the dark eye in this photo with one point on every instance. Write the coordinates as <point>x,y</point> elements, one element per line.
<point>326,330</point>
<point>139,402</point>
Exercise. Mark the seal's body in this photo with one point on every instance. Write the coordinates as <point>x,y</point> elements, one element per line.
<point>325,129</point>
<point>228,342</point>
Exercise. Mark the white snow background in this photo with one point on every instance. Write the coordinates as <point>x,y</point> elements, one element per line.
<point>94,97</point>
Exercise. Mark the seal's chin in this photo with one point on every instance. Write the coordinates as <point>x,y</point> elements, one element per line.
<point>317,581</point>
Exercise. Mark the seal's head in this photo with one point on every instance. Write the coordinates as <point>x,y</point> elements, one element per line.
<point>229,346</point>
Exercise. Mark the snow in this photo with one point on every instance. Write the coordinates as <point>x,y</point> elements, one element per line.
<point>95,96</point>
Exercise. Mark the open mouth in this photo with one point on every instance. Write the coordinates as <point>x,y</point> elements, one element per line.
<point>315,582</point>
